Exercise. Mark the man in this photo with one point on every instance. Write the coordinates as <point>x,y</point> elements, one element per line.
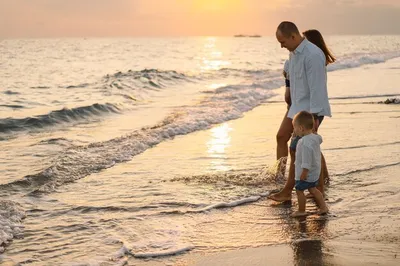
<point>308,89</point>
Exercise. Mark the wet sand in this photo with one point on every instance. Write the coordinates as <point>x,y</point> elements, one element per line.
<point>362,148</point>
<point>363,227</point>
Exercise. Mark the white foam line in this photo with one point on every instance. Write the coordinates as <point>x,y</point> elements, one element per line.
<point>231,204</point>
<point>169,252</point>
<point>11,215</point>
<point>354,61</point>
<point>80,161</point>
<point>121,252</point>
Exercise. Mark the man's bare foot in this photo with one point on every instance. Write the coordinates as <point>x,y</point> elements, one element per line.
<point>299,214</point>
<point>323,211</point>
<point>280,197</point>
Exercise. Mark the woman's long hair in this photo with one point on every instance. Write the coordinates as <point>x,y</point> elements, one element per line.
<point>316,38</point>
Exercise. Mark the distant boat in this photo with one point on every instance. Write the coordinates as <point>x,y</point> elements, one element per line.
<point>251,36</point>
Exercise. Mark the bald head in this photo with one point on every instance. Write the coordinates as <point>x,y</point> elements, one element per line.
<point>288,35</point>
<point>288,29</point>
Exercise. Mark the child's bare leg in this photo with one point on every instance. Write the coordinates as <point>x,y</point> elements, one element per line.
<point>319,199</point>
<point>302,204</point>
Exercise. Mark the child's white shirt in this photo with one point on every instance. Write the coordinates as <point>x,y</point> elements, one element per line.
<point>308,156</point>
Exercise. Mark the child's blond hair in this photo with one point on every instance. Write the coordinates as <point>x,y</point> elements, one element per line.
<point>304,119</point>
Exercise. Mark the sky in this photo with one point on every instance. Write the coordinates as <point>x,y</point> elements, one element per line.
<point>118,18</point>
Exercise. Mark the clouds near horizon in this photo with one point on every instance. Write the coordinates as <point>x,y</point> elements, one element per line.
<point>102,18</point>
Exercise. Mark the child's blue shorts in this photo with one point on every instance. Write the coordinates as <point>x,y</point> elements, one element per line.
<point>302,185</point>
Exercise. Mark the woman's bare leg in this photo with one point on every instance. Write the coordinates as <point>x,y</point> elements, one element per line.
<point>286,193</point>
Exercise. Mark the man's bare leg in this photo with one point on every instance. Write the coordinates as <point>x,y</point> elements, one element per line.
<point>286,193</point>
<point>282,137</point>
<point>324,175</point>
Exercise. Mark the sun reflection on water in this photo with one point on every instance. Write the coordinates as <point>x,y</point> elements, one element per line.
<point>217,145</point>
<point>211,58</point>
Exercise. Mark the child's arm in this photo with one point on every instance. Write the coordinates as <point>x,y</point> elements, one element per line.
<point>304,174</point>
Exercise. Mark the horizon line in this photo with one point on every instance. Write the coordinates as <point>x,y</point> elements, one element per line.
<point>252,36</point>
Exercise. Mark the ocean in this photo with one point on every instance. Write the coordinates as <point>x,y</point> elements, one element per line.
<point>121,151</point>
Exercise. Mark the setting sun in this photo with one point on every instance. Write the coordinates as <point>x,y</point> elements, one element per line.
<point>218,5</point>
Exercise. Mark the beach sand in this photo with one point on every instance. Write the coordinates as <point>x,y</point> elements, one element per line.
<point>362,149</point>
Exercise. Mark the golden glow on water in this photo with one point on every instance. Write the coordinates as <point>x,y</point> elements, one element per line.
<point>212,56</point>
<point>217,145</point>
<point>217,85</point>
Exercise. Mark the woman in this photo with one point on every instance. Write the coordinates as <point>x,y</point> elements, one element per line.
<point>286,129</point>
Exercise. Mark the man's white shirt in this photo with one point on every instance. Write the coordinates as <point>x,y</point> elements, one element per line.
<point>308,80</point>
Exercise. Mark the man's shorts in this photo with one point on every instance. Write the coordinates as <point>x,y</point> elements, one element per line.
<point>295,139</point>
<point>302,185</point>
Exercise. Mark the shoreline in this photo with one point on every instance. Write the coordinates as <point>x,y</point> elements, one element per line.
<point>362,148</point>
<point>363,196</point>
